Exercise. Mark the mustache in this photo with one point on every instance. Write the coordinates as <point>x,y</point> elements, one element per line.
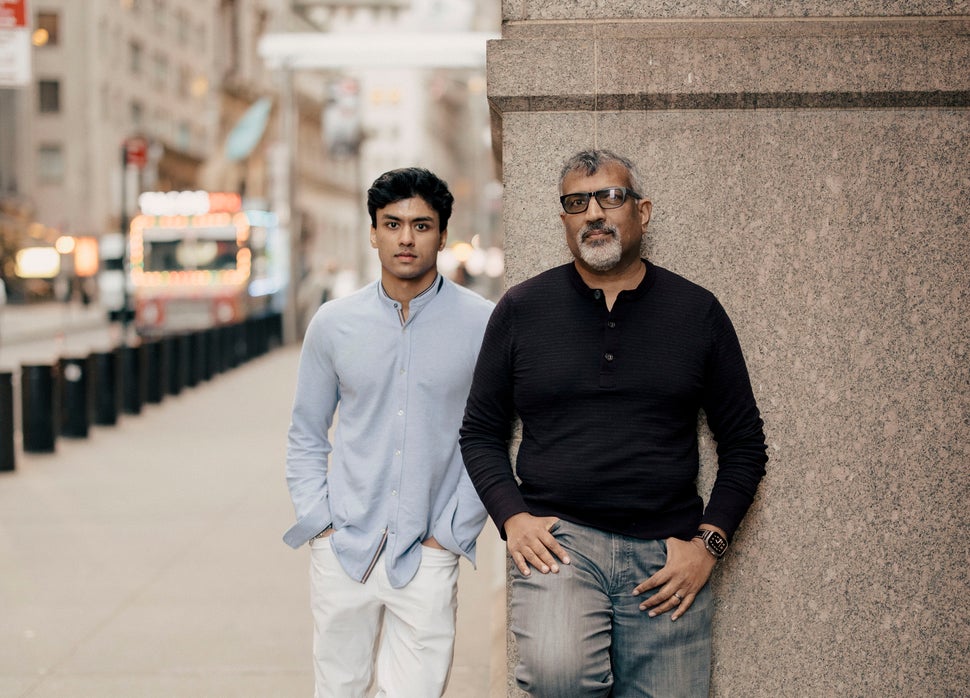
<point>598,227</point>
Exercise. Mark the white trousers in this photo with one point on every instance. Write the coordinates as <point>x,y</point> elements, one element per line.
<point>412,629</point>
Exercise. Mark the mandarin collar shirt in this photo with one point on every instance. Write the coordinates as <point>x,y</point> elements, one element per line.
<point>386,472</point>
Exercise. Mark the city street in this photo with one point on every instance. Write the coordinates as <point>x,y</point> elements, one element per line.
<point>145,560</point>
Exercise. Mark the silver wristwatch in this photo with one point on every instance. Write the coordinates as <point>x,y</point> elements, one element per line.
<point>715,543</point>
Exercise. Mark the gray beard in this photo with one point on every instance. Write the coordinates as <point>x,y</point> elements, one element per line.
<point>602,255</point>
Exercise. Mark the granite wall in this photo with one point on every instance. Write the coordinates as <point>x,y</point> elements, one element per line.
<point>809,162</point>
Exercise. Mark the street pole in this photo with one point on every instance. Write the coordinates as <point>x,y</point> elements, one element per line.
<point>123,224</point>
<point>285,200</point>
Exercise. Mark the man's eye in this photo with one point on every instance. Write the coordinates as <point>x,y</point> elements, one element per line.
<point>613,196</point>
<point>391,224</point>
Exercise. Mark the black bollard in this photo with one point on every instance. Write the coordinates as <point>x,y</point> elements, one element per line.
<point>211,352</point>
<point>276,329</point>
<point>75,405</point>
<point>173,386</point>
<point>229,343</point>
<point>254,345</point>
<point>132,379</point>
<point>154,371</point>
<point>7,462</point>
<point>37,408</point>
<point>193,348</point>
<point>107,387</point>
<point>177,363</point>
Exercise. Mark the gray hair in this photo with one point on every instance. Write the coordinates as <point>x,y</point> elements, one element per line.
<point>591,160</point>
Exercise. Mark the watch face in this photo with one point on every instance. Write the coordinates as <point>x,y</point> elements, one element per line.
<point>716,543</point>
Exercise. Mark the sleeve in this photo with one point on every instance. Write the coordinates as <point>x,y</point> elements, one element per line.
<point>487,425</point>
<point>308,445</point>
<point>735,422</point>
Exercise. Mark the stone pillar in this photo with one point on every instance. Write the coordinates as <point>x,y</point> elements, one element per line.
<point>809,163</point>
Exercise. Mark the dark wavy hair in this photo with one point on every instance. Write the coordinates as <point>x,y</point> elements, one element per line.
<point>406,183</point>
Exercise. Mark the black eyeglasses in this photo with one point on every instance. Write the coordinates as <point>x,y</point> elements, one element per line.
<point>611,197</point>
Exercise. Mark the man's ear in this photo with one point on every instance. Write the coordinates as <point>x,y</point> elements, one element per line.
<point>443,241</point>
<point>373,237</point>
<point>645,207</point>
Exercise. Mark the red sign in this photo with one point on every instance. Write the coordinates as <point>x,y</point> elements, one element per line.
<point>136,152</point>
<point>13,13</point>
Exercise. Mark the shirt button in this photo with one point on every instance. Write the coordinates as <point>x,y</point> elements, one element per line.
<point>400,412</point>
<point>393,493</point>
<point>397,452</point>
<point>597,294</point>
<point>611,324</point>
<point>608,357</point>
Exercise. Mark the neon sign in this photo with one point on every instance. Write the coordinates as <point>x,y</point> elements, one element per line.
<point>188,203</point>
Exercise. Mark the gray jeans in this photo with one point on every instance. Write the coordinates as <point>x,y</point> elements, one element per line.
<point>581,633</point>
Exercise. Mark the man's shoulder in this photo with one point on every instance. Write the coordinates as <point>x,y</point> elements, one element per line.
<point>467,298</point>
<point>541,282</point>
<point>358,304</point>
<point>673,282</point>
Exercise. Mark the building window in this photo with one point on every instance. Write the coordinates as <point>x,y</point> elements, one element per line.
<point>161,69</point>
<point>162,124</point>
<point>49,92</point>
<point>161,13</point>
<point>50,164</point>
<point>46,30</point>
<point>183,138</point>
<point>185,82</point>
<point>182,27</point>
<point>135,57</point>
<point>137,112</point>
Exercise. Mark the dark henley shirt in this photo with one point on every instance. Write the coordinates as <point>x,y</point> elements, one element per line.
<point>609,403</point>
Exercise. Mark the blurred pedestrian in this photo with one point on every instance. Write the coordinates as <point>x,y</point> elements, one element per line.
<point>608,361</point>
<point>386,504</point>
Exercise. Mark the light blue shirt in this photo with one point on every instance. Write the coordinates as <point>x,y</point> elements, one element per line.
<point>393,475</point>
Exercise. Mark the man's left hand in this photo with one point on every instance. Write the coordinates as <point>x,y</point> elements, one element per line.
<point>688,568</point>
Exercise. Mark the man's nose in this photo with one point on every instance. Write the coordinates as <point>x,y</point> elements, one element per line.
<point>407,235</point>
<point>594,212</point>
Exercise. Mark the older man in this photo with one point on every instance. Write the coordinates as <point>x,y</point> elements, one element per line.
<point>608,361</point>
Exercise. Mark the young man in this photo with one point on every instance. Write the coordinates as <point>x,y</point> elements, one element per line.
<point>387,506</point>
<point>607,361</point>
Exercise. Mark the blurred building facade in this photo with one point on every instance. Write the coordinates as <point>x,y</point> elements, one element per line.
<point>183,83</point>
<point>380,118</point>
<point>129,96</point>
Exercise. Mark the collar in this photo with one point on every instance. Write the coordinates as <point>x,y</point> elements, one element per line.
<point>419,301</point>
<point>596,294</point>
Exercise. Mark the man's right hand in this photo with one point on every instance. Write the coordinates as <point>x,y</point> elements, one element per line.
<point>530,543</point>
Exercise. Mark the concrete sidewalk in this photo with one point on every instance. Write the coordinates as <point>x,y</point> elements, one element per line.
<point>146,559</point>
